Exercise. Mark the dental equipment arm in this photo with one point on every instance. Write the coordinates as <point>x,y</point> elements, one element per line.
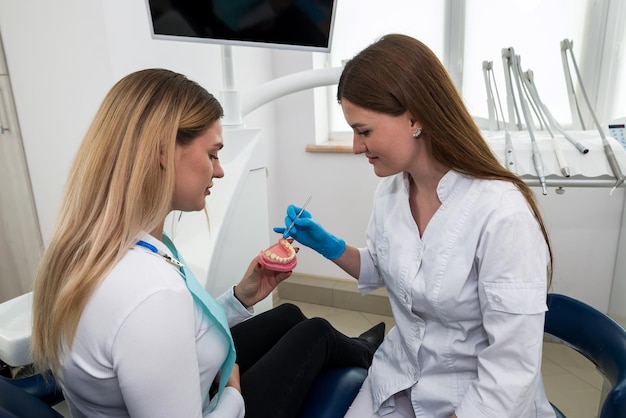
<point>509,152</point>
<point>567,45</point>
<point>552,121</point>
<point>531,89</point>
<point>571,94</point>
<point>491,107</point>
<point>537,160</point>
<point>510,96</point>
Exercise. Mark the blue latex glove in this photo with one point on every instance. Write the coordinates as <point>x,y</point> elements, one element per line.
<point>309,232</point>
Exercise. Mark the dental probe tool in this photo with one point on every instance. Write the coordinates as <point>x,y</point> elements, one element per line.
<point>534,96</point>
<point>617,172</point>
<point>537,160</point>
<point>286,233</point>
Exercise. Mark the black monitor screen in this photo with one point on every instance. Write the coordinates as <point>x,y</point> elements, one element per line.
<point>289,24</point>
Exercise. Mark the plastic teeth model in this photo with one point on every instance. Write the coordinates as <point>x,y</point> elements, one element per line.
<point>279,257</point>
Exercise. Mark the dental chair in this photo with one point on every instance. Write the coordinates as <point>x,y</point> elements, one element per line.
<point>17,402</point>
<point>34,396</point>
<point>330,396</point>
<point>598,338</point>
<point>588,331</point>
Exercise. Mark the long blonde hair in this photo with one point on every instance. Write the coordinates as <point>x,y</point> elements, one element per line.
<point>121,183</point>
<point>397,74</point>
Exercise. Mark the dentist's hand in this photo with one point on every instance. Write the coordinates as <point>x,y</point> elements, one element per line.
<point>309,232</point>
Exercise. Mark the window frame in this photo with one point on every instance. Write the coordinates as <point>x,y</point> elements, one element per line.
<point>599,69</point>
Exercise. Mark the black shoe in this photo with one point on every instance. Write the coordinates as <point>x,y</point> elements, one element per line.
<point>374,335</point>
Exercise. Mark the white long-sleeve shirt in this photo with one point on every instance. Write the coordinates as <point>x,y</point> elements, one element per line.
<point>468,298</point>
<point>143,348</point>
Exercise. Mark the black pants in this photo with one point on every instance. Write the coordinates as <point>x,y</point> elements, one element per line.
<point>280,353</point>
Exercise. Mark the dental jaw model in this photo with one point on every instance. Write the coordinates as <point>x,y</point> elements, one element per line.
<point>279,257</point>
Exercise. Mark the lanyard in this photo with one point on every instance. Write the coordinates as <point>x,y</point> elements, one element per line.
<point>211,308</point>
<point>155,250</point>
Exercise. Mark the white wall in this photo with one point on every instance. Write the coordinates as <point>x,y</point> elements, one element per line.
<point>59,75</point>
<point>63,56</point>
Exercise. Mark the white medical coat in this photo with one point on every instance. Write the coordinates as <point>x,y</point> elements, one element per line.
<point>468,298</point>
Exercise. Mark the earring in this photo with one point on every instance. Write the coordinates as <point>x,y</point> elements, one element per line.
<point>417,133</point>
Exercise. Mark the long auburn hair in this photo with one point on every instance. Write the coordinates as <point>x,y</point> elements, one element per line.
<point>397,74</point>
<point>121,183</point>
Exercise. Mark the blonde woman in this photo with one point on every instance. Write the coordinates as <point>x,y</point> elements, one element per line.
<point>456,239</point>
<point>121,321</point>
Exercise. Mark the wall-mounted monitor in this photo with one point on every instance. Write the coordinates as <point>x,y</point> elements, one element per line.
<point>284,24</point>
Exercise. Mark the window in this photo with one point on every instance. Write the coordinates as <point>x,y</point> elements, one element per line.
<point>613,79</point>
<point>530,27</point>
<point>359,23</point>
<point>478,30</point>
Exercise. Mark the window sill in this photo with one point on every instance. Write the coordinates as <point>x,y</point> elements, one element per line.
<point>336,147</point>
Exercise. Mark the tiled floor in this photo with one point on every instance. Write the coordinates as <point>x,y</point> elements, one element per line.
<point>572,383</point>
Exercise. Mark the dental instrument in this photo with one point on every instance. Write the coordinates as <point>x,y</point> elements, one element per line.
<point>509,152</point>
<point>567,45</point>
<point>536,155</point>
<point>529,83</point>
<point>286,233</point>
<point>491,107</point>
<point>510,96</point>
<point>577,118</point>
<point>551,120</point>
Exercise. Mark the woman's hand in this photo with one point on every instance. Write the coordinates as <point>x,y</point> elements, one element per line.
<point>258,282</point>
<point>234,380</point>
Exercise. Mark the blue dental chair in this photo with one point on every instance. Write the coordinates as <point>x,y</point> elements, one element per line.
<point>33,397</point>
<point>598,338</point>
<point>20,400</point>
<point>578,325</point>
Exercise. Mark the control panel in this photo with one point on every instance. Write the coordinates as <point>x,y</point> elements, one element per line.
<point>617,130</point>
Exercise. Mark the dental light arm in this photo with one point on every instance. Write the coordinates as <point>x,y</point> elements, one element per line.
<point>288,84</point>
